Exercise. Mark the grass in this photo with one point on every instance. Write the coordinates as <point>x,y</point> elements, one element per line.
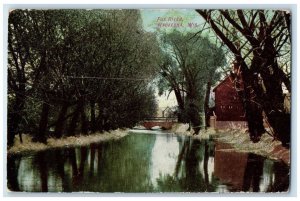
<point>72,141</point>
<point>240,141</point>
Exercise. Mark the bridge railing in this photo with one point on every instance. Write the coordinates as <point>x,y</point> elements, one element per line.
<point>166,119</point>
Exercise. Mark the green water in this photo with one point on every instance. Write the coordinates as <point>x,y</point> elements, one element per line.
<point>146,162</point>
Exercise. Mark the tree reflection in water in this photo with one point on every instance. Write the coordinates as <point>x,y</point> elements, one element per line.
<point>249,172</point>
<point>43,167</point>
<point>146,163</point>
<point>253,173</point>
<point>281,180</point>
<point>188,175</point>
<point>12,173</point>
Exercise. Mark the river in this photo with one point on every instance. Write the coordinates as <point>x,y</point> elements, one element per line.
<point>147,161</point>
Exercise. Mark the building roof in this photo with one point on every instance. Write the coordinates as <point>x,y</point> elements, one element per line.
<point>222,82</point>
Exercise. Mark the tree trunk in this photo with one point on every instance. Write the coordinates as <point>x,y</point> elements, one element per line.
<point>14,119</point>
<point>102,118</point>
<point>74,120</point>
<point>193,110</point>
<point>194,118</point>
<point>41,135</point>
<point>84,123</point>
<point>271,98</point>
<point>180,103</point>
<point>61,120</point>
<point>274,105</point>
<point>93,116</point>
<point>206,103</point>
<point>251,102</point>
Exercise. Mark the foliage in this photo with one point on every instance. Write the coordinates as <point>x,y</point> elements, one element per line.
<point>188,64</point>
<point>84,67</point>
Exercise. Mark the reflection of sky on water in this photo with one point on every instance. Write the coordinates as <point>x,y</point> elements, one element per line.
<point>30,180</point>
<point>210,168</point>
<point>26,181</point>
<point>164,154</point>
<point>267,177</point>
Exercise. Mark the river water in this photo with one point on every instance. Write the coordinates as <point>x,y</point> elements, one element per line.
<point>147,161</point>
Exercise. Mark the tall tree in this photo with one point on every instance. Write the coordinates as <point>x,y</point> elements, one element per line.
<point>189,64</point>
<point>258,39</point>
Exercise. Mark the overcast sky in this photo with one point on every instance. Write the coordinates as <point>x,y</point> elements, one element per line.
<point>152,18</point>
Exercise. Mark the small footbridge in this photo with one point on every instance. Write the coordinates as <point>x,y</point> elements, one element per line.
<point>165,123</point>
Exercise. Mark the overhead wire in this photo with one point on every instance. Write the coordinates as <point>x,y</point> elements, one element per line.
<point>109,78</point>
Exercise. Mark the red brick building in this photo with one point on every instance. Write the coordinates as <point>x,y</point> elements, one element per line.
<point>229,109</point>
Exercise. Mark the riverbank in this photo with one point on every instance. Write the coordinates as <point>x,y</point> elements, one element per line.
<point>72,141</point>
<point>240,141</point>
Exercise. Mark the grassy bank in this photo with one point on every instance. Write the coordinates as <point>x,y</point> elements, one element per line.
<point>240,141</point>
<point>72,141</point>
<point>267,147</point>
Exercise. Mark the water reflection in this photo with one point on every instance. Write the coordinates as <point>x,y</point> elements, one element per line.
<point>40,160</point>
<point>280,177</point>
<point>146,163</point>
<point>230,166</point>
<point>249,172</point>
<point>12,172</point>
<point>253,173</point>
<point>191,172</point>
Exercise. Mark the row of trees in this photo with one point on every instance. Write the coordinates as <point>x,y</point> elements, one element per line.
<point>78,71</point>
<point>260,42</point>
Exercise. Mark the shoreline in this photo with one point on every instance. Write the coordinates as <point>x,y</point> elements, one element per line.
<point>73,141</point>
<point>240,141</point>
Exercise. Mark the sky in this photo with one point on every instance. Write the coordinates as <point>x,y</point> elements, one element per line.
<point>165,100</point>
<point>153,18</point>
